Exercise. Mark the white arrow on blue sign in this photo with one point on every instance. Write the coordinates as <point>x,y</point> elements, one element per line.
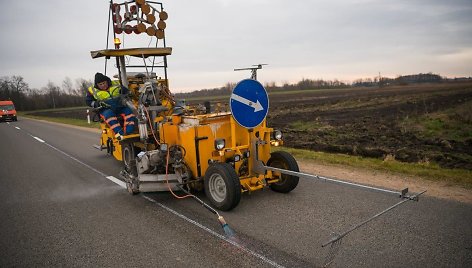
<point>249,103</point>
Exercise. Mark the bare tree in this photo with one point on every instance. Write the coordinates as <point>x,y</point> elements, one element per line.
<point>82,86</point>
<point>13,88</point>
<point>67,86</point>
<point>53,92</point>
<point>19,85</point>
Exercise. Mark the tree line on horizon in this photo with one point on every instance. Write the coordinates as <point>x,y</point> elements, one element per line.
<point>70,94</point>
<point>51,96</point>
<point>309,84</point>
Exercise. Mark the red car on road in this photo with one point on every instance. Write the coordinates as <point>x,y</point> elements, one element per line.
<point>7,111</point>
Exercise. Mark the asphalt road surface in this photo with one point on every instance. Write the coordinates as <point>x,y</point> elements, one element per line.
<point>60,207</point>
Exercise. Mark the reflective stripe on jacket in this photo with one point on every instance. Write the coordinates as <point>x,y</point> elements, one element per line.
<point>113,91</point>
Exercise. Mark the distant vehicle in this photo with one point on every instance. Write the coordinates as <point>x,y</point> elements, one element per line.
<point>7,111</point>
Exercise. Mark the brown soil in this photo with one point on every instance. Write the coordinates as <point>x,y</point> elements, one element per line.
<point>374,178</point>
<point>370,122</point>
<point>367,122</point>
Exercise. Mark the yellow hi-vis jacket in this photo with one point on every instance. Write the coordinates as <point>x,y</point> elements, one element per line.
<point>112,92</point>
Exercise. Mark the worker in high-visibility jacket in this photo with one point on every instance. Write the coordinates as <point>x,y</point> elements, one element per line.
<point>105,95</point>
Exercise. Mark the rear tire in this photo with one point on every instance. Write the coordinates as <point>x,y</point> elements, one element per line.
<point>128,155</point>
<point>132,188</point>
<point>222,186</point>
<point>283,160</point>
<point>129,161</point>
<point>132,184</point>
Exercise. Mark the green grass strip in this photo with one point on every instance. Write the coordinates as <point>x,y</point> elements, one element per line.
<point>68,121</point>
<point>432,172</point>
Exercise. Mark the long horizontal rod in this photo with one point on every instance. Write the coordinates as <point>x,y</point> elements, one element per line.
<point>310,176</point>
<point>141,66</point>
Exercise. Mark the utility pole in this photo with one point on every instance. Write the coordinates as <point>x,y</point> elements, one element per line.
<point>380,80</point>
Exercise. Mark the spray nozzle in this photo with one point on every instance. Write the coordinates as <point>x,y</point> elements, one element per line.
<point>222,221</point>
<point>228,231</point>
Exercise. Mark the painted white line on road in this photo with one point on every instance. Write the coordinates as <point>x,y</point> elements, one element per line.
<point>111,178</point>
<point>123,184</point>
<point>77,160</point>
<point>18,128</point>
<point>117,181</point>
<point>222,237</point>
<point>38,139</point>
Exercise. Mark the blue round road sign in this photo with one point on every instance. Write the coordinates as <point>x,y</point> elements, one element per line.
<point>249,103</point>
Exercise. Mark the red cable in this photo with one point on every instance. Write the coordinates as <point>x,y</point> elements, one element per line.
<point>150,124</point>
<point>167,160</point>
<point>167,181</point>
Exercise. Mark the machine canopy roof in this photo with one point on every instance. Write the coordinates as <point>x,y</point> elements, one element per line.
<point>136,52</point>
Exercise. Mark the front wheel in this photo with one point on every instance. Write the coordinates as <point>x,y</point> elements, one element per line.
<point>222,186</point>
<point>283,160</point>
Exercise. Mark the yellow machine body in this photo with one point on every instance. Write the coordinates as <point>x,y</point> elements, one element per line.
<point>176,146</point>
<point>197,135</point>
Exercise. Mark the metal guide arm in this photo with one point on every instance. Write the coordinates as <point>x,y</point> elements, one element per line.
<point>340,236</point>
<point>259,167</point>
<point>401,194</point>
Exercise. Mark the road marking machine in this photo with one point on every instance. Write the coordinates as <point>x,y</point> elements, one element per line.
<point>185,149</point>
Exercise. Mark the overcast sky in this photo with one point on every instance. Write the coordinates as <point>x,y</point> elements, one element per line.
<point>343,39</point>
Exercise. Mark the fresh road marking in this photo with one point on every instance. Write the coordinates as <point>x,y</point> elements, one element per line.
<point>222,237</point>
<point>123,184</point>
<point>38,139</point>
<point>117,181</point>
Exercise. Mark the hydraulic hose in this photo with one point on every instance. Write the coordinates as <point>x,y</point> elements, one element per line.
<point>228,231</point>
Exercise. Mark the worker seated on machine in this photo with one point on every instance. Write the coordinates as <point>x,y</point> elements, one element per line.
<point>106,97</point>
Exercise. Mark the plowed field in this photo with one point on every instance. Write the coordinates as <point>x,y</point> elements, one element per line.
<point>414,123</point>
<point>426,123</point>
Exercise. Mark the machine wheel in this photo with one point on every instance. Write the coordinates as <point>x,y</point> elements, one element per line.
<point>284,160</point>
<point>128,154</point>
<point>222,186</point>
<point>132,184</point>
<point>109,146</point>
<point>132,188</point>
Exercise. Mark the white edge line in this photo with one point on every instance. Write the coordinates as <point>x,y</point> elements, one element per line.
<point>38,139</point>
<point>18,128</point>
<point>255,254</point>
<point>117,181</point>
<point>123,184</point>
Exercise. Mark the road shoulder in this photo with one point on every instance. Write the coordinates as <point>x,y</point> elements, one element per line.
<point>442,190</point>
<point>386,180</point>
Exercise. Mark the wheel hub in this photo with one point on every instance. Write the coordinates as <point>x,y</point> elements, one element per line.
<point>217,188</point>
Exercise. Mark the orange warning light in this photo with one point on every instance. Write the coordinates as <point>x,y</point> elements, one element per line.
<point>117,42</point>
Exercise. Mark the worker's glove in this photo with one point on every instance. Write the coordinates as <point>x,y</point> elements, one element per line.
<point>104,104</point>
<point>100,104</point>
